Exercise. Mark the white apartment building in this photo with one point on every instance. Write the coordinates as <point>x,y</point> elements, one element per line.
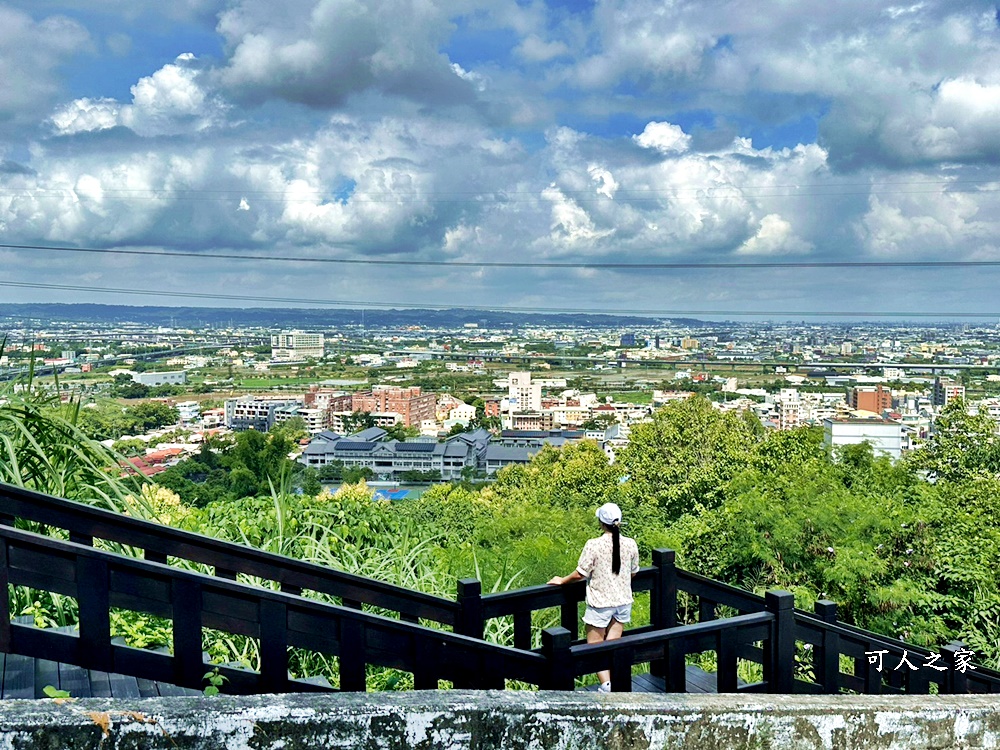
<point>884,435</point>
<point>296,345</point>
<point>788,407</point>
<point>187,411</point>
<point>522,394</point>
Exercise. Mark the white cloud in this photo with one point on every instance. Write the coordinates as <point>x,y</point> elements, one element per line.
<point>326,50</point>
<point>31,53</point>
<point>535,49</point>
<point>774,236</point>
<point>169,102</point>
<point>664,137</point>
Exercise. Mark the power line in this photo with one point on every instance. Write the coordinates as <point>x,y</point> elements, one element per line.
<point>664,313</point>
<point>666,265</point>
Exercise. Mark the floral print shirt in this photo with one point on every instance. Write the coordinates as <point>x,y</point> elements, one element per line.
<point>604,588</point>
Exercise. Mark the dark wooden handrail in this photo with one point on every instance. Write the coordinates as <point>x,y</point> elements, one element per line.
<point>85,523</point>
<point>283,619</point>
<point>101,580</point>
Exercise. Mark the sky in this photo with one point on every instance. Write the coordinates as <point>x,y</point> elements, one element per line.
<point>429,142</point>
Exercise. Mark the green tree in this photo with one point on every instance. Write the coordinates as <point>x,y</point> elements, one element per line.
<point>685,455</point>
<point>151,415</point>
<point>961,446</point>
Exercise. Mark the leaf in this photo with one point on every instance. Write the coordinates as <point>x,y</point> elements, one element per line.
<point>102,719</point>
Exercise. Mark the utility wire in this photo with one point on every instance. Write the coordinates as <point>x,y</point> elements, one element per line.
<point>666,265</point>
<point>664,313</point>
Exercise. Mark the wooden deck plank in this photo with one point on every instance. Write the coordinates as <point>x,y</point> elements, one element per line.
<point>100,684</point>
<point>124,686</point>
<point>74,680</point>
<point>46,674</point>
<point>169,691</point>
<point>147,688</point>
<point>18,677</point>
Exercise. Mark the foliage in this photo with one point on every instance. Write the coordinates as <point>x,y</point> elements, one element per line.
<point>685,455</point>
<point>244,467</point>
<point>43,448</point>
<point>961,446</point>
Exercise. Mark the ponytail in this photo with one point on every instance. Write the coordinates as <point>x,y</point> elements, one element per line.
<point>616,552</point>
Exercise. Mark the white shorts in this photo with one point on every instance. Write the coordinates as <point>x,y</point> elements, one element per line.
<point>601,617</point>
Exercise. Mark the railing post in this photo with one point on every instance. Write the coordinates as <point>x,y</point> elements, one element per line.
<point>94,601</point>
<point>957,681</point>
<point>5,599</point>
<point>726,661</point>
<point>353,671</point>
<point>273,646</point>
<point>469,622</point>
<point>555,648</point>
<point>470,608</point>
<point>621,670</point>
<point>782,657</point>
<point>663,599</point>
<point>186,609</point>
<point>826,655</point>
<point>871,671</point>
<point>569,612</point>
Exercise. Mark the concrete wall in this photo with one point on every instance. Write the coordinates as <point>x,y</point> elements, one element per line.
<point>456,720</point>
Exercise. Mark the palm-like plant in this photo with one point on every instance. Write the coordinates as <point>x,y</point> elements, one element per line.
<point>43,449</point>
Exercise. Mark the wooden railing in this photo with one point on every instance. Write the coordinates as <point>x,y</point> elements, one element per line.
<point>765,631</point>
<point>100,581</point>
<point>84,524</point>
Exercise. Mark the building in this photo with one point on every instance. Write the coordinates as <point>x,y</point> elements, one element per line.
<point>411,404</point>
<point>296,345</point>
<point>946,390</point>
<point>870,398</point>
<point>187,411</point>
<point>522,394</point>
<point>255,412</point>
<point>884,435</point>
<point>314,419</point>
<point>178,377</point>
<point>390,459</point>
<point>788,406</point>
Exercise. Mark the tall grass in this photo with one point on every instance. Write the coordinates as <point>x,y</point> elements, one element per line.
<point>43,449</point>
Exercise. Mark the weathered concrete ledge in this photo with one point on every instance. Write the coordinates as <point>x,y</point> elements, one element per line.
<point>510,720</point>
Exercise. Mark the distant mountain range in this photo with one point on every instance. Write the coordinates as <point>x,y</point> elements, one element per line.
<point>221,317</point>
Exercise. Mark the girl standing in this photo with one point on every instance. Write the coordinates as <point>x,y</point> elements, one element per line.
<point>608,564</point>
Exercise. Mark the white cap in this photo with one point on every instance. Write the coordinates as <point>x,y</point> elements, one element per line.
<point>609,514</point>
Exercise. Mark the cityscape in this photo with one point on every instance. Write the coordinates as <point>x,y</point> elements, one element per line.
<point>529,385</point>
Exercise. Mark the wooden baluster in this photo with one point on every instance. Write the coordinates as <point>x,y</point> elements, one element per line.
<point>522,630</point>
<point>5,598</point>
<point>621,670</point>
<point>189,666</point>
<point>273,646</point>
<point>782,657</point>
<point>725,656</point>
<point>826,654</point>
<point>555,648</point>
<point>352,655</point>
<point>94,600</point>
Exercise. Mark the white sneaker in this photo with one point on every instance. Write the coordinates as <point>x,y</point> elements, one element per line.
<point>604,687</point>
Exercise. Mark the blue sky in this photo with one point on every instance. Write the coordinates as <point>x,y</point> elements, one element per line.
<point>456,133</point>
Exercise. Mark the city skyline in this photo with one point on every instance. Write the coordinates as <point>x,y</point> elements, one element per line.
<point>420,141</point>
